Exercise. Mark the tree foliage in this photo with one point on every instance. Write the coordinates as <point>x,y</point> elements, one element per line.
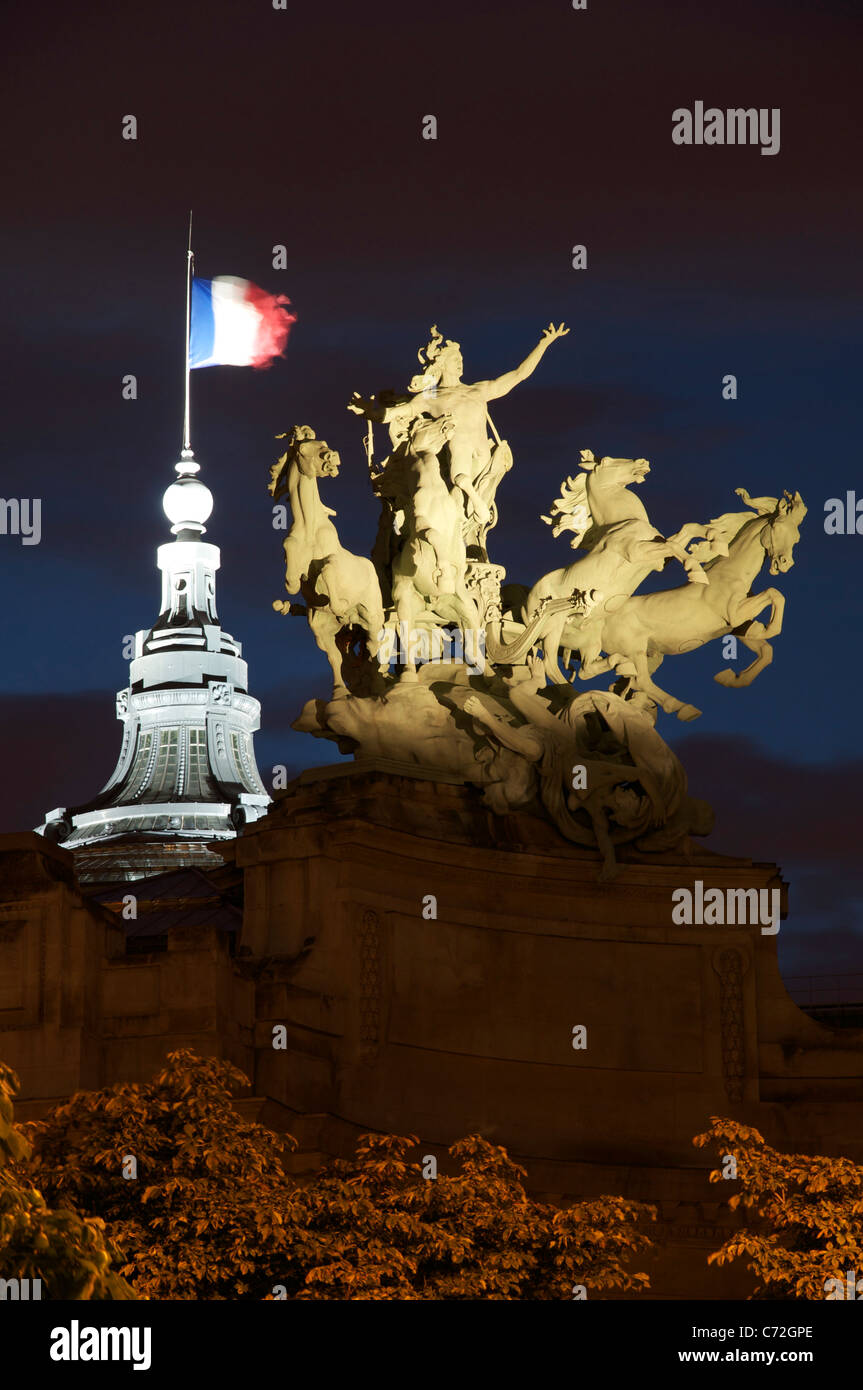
<point>214,1215</point>
<point>206,1214</point>
<point>69,1254</point>
<point>373,1227</point>
<point>805,1214</point>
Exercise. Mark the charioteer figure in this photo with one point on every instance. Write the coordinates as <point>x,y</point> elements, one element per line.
<point>477,456</point>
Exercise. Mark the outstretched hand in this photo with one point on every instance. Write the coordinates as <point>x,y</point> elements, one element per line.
<point>549,334</point>
<point>359,405</point>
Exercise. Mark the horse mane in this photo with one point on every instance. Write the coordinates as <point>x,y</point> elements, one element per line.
<point>729,526</point>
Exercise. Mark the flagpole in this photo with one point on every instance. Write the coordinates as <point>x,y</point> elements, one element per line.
<point>187,443</point>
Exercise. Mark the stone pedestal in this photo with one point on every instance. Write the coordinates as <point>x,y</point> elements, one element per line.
<point>430,962</point>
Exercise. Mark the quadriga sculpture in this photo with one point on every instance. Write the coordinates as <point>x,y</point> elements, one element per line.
<point>591,765</point>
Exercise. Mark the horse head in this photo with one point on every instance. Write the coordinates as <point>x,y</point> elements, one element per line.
<point>305,454</point>
<point>783,532</point>
<point>614,472</point>
<point>316,459</point>
<point>428,434</point>
<point>584,500</point>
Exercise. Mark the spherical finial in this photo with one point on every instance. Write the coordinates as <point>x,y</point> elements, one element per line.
<point>187,503</point>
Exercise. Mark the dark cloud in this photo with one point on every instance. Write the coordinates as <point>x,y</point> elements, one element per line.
<point>789,805</point>
<point>805,818</point>
<point>55,750</point>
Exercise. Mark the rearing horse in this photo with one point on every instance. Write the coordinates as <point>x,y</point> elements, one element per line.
<point>340,589</point>
<point>649,627</point>
<point>623,547</point>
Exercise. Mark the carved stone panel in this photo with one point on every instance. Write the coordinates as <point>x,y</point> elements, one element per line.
<point>730,966</point>
<point>22,968</point>
<point>369,953</point>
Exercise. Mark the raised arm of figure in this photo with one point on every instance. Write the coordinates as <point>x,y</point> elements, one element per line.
<point>502,385</point>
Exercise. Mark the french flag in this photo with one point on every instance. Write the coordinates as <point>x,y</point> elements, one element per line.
<point>236,324</point>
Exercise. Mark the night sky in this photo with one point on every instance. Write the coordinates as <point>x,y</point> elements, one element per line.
<point>303,127</point>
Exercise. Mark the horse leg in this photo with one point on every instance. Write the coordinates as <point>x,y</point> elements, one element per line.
<point>755,635</point>
<point>631,684</point>
<point>587,642</point>
<point>749,608</point>
<point>371,617</point>
<point>644,682</point>
<point>777,613</point>
<point>296,562</point>
<point>566,663</point>
<point>407,603</point>
<point>472,633</point>
<point>324,626</point>
<point>594,666</point>
<point>583,634</point>
<point>593,663</point>
<point>763,657</point>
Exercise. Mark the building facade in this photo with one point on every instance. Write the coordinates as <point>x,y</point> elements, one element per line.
<point>317,930</point>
